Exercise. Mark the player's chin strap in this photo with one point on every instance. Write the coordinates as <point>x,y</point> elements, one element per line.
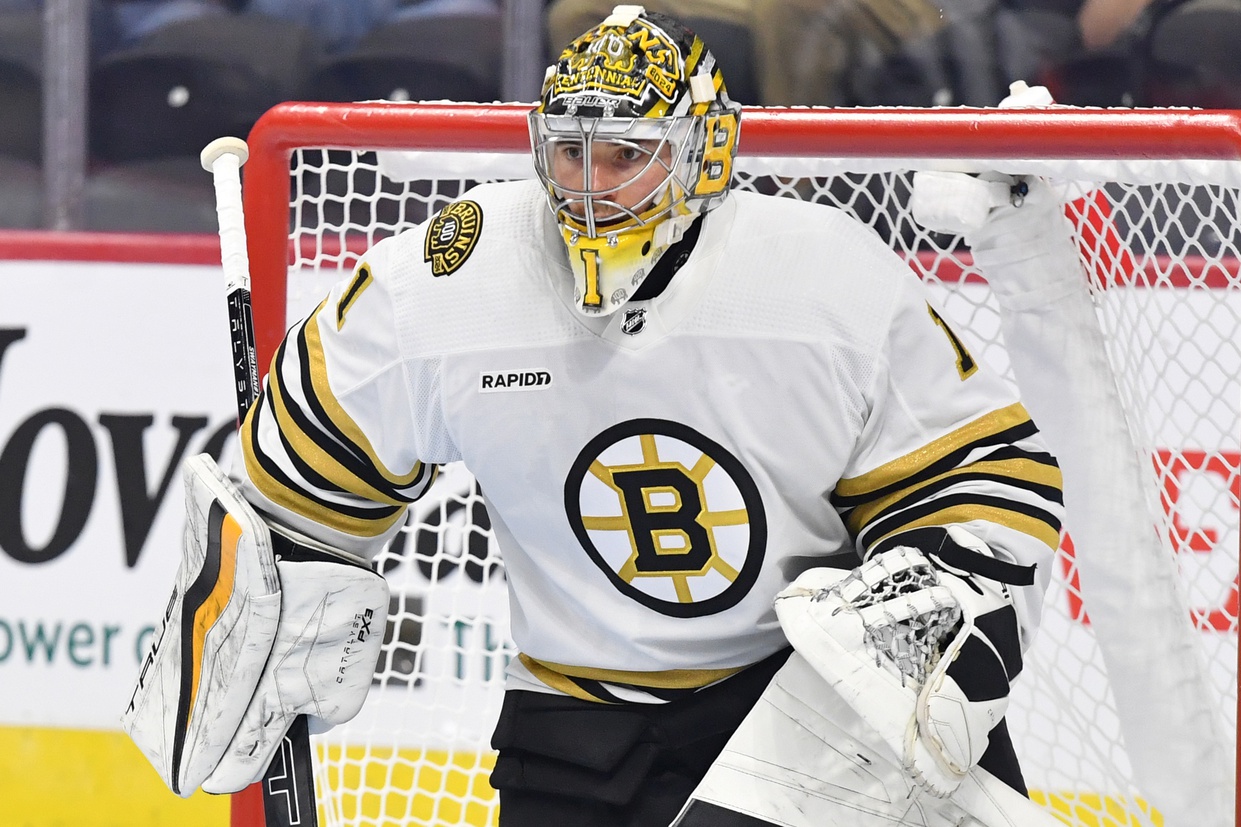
<point>261,627</point>
<point>920,642</point>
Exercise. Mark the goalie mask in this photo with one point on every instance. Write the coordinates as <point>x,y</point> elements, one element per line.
<point>634,138</point>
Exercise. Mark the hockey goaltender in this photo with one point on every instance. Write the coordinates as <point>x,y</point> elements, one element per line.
<point>775,541</point>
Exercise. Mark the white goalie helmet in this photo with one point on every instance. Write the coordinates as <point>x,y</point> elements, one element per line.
<point>634,137</point>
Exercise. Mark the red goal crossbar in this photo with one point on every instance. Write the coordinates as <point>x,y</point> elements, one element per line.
<point>833,133</point>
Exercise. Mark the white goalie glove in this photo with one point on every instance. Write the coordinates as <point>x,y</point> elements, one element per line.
<point>922,651</point>
<point>251,638</point>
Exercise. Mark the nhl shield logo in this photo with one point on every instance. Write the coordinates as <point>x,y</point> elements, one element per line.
<point>634,321</point>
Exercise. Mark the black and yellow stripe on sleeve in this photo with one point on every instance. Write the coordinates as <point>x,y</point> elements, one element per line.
<point>977,472</point>
<point>331,473</point>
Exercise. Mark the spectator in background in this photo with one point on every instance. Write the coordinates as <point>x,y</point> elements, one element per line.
<point>135,19</point>
<point>1087,51</point>
<point>104,33</point>
<point>809,49</point>
<point>340,23</point>
<point>427,8</point>
<point>566,19</point>
<point>805,52</point>
<point>802,50</point>
<point>1102,22</point>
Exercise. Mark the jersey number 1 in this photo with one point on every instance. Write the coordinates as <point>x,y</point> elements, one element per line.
<point>965,362</point>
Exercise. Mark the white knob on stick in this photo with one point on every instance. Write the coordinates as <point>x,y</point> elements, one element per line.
<point>223,158</point>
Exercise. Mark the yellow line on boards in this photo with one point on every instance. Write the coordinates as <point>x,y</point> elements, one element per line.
<point>72,778</point>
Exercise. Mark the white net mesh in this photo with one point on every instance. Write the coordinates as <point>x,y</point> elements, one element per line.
<point>1163,259</point>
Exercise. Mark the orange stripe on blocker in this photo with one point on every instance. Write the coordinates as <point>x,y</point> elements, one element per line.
<point>209,612</point>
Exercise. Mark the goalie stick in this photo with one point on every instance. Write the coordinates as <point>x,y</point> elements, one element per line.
<point>288,785</point>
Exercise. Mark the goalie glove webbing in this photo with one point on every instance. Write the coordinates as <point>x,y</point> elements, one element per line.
<point>955,551</point>
<point>908,644</point>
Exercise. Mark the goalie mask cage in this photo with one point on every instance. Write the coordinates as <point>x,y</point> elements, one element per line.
<point>1126,712</point>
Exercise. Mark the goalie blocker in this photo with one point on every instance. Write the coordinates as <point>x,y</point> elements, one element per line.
<point>260,628</point>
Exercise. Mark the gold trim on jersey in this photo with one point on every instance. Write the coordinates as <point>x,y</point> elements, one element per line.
<point>967,365</point>
<point>334,453</point>
<point>316,369</point>
<point>563,678</point>
<point>361,280</point>
<point>905,470</point>
<point>298,502</point>
<point>1013,471</point>
<point>1026,524</point>
<point>556,680</point>
<point>308,449</point>
<point>932,486</point>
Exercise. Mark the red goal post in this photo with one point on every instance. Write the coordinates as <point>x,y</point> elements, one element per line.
<point>1197,143</point>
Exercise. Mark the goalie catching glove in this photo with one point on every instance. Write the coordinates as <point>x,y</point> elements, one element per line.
<point>259,629</point>
<point>922,645</point>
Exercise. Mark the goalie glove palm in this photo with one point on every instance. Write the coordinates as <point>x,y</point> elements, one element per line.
<point>898,640</point>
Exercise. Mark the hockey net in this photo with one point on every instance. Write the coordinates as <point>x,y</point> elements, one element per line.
<point>1126,713</point>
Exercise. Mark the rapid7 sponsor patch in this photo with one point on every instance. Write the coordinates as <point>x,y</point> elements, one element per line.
<point>492,381</point>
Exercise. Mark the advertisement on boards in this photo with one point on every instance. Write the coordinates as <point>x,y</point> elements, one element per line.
<point>110,374</point>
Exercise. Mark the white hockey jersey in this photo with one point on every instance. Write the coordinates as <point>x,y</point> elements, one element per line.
<point>656,476</point>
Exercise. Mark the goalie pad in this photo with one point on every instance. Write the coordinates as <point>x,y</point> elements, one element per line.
<point>218,629</point>
<point>906,645</point>
<point>332,618</point>
<point>801,758</point>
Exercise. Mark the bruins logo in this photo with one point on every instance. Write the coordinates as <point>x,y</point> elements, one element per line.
<point>673,520</point>
<point>451,237</point>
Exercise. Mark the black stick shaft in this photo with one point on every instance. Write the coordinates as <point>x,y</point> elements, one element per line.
<point>288,784</point>
<point>245,362</point>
